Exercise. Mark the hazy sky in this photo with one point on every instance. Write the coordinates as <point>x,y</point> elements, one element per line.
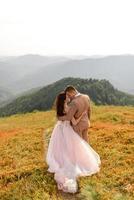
<point>66,27</point>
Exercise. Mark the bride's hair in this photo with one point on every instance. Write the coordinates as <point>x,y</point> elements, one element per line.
<point>60,99</point>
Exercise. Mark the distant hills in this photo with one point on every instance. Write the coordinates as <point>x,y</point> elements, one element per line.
<point>22,73</point>
<point>13,69</point>
<point>5,95</point>
<point>101,92</point>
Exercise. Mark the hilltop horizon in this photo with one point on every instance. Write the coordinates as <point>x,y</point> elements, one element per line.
<point>34,70</point>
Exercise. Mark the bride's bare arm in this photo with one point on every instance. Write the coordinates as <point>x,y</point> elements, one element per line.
<point>76,121</point>
<point>69,112</point>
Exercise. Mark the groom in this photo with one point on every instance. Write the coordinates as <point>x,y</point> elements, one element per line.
<point>78,104</point>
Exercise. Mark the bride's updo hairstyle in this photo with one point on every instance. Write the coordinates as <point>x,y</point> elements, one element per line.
<point>60,99</point>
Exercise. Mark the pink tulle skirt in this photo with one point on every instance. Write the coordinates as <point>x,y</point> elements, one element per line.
<point>70,156</point>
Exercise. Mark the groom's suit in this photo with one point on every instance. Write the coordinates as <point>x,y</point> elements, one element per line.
<point>77,106</point>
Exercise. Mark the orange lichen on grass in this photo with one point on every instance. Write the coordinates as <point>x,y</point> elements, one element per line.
<point>8,133</point>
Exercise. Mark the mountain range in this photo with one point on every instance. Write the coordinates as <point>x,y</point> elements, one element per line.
<point>21,73</point>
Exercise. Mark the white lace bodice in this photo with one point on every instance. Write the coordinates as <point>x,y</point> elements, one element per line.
<point>59,122</point>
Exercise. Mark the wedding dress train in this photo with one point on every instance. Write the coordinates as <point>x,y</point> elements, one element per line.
<point>70,156</point>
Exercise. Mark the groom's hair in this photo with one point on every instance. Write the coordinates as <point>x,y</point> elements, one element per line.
<point>70,88</point>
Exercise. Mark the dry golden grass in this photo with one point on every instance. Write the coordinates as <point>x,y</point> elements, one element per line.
<point>24,140</point>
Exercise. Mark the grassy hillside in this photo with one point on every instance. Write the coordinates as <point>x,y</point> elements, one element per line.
<point>24,140</point>
<point>101,92</point>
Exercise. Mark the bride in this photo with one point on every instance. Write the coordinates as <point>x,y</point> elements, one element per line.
<point>69,156</point>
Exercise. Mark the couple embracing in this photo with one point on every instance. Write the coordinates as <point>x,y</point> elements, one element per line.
<point>69,154</point>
